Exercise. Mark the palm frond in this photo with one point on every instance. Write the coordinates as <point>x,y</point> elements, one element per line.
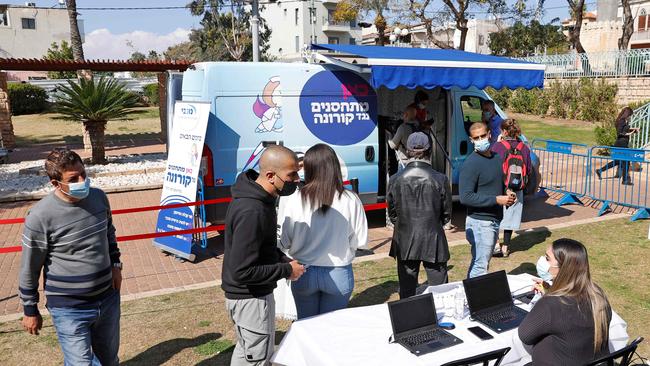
<point>95,100</point>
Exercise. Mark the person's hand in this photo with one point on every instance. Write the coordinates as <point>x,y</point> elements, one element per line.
<point>506,200</point>
<point>540,286</point>
<point>117,279</point>
<point>512,194</point>
<point>297,270</point>
<point>33,324</point>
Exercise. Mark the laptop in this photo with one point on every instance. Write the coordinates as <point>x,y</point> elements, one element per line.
<point>490,302</point>
<point>415,325</point>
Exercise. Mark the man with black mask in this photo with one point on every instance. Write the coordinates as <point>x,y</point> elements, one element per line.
<point>252,262</point>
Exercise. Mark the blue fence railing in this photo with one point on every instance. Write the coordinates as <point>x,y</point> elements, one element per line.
<point>578,171</point>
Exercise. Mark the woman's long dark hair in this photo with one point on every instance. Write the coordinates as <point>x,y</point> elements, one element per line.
<point>322,177</point>
<point>624,114</point>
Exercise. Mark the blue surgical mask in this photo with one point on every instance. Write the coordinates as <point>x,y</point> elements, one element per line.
<point>482,145</point>
<point>543,269</point>
<point>487,115</point>
<point>79,190</point>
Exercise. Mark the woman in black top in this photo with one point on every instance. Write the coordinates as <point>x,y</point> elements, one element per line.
<point>569,325</point>
<point>623,133</point>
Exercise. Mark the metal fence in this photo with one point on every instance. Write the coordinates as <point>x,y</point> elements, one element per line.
<point>595,64</point>
<point>621,178</point>
<point>563,168</point>
<point>134,85</point>
<point>641,120</point>
<point>578,171</point>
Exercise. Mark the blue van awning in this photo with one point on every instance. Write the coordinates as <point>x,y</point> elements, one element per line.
<point>429,68</point>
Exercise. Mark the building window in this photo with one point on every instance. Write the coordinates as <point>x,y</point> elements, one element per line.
<point>297,43</point>
<point>333,40</point>
<point>4,18</point>
<point>312,15</point>
<point>29,23</point>
<point>353,41</point>
<point>643,20</point>
<point>296,16</point>
<point>481,40</point>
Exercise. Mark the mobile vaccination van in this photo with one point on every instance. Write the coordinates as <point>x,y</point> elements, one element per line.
<point>351,106</point>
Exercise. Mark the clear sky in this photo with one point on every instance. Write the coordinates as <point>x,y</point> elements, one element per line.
<point>107,32</point>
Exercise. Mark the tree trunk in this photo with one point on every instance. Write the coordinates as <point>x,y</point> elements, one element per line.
<point>86,137</point>
<point>628,26</point>
<point>96,131</point>
<point>380,23</point>
<point>574,35</point>
<point>75,38</point>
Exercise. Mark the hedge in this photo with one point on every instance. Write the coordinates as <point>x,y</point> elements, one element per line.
<point>27,99</point>
<point>151,93</point>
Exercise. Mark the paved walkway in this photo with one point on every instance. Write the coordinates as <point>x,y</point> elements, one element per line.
<point>147,269</point>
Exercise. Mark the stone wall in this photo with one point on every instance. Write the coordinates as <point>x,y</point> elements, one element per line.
<point>635,89</point>
<point>6,127</point>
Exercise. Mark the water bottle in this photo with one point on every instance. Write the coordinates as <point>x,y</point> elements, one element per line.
<point>459,301</point>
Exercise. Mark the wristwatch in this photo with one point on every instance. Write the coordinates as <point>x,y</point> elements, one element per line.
<point>117,265</point>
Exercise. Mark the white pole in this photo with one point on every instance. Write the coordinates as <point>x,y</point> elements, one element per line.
<point>255,25</point>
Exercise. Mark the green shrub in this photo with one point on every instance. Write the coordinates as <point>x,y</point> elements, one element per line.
<point>639,104</point>
<point>151,93</point>
<point>563,99</point>
<point>534,101</point>
<point>597,100</point>
<point>605,134</point>
<point>27,99</point>
<point>500,97</point>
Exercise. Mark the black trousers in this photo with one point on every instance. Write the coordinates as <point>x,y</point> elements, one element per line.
<point>407,274</point>
<point>622,165</point>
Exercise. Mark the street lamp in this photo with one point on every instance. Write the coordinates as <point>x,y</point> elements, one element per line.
<point>392,38</point>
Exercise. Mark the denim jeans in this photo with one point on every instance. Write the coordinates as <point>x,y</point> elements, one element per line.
<point>482,235</point>
<point>89,336</point>
<point>322,289</point>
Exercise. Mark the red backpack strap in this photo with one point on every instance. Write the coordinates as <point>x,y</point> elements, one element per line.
<point>506,144</point>
<point>520,145</point>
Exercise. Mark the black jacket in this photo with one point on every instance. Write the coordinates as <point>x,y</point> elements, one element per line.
<point>252,262</point>
<point>419,204</point>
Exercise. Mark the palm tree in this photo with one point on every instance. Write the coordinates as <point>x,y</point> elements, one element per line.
<point>94,103</point>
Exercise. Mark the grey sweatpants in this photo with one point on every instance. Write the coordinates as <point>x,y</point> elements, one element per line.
<point>254,321</point>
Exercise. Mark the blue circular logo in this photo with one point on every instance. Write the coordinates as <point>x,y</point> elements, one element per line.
<point>339,107</point>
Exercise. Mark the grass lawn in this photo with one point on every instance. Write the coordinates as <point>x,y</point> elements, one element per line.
<point>43,129</point>
<point>192,327</point>
<point>535,127</point>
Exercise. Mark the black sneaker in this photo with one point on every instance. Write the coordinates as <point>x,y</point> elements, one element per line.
<point>598,174</point>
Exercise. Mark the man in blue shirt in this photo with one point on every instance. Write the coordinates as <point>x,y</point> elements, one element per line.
<point>492,119</point>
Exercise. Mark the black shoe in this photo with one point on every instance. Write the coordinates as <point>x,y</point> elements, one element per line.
<point>598,174</point>
<point>627,183</point>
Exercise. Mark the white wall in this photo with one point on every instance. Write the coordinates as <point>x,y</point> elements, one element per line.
<point>52,25</point>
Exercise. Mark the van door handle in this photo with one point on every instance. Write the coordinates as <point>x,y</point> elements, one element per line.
<point>370,154</point>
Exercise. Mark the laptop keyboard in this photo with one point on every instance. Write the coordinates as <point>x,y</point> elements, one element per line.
<point>425,337</point>
<point>502,315</point>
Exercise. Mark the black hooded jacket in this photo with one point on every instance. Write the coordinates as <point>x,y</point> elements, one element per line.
<point>252,262</point>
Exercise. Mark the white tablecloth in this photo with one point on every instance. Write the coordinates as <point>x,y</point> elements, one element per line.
<point>359,336</point>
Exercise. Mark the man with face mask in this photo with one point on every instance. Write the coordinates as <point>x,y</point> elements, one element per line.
<point>482,192</point>
<point>492,119</point>
<point>69,235</point>
<point>252,262</point>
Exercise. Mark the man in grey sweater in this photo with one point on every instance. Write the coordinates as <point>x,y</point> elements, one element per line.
<point>69,236</point>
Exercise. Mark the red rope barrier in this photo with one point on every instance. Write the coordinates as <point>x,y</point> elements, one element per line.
<point>15,249</point>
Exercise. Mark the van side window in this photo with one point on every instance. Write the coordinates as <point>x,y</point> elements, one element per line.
<point>471,107</point>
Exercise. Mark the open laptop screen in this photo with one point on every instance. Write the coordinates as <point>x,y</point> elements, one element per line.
<point>412,313</point>
<point>486,291</point>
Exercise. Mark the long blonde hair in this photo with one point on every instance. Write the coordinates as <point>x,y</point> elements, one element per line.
<point>574,280</point>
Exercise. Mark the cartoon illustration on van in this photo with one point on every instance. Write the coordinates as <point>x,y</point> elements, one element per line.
<point>268,108</point>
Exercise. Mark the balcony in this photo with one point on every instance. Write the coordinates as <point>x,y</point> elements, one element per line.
<point>329,25</point>
<point>332,2</point>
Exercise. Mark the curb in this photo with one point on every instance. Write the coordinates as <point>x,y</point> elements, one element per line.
<point>38,196</point>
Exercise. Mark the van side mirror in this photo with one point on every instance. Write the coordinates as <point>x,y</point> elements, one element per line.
<point>463,148</point>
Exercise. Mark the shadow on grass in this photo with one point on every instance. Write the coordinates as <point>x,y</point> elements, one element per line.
<point>164,351</point>
<point>373,295</point>
<point>527,240</point>
<point>223,358</point>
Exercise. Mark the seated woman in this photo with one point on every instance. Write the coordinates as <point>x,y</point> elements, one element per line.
<point>569,325</point>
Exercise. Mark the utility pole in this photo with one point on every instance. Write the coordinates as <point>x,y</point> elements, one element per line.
<point>255,25</point>
<point>312,14</point>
